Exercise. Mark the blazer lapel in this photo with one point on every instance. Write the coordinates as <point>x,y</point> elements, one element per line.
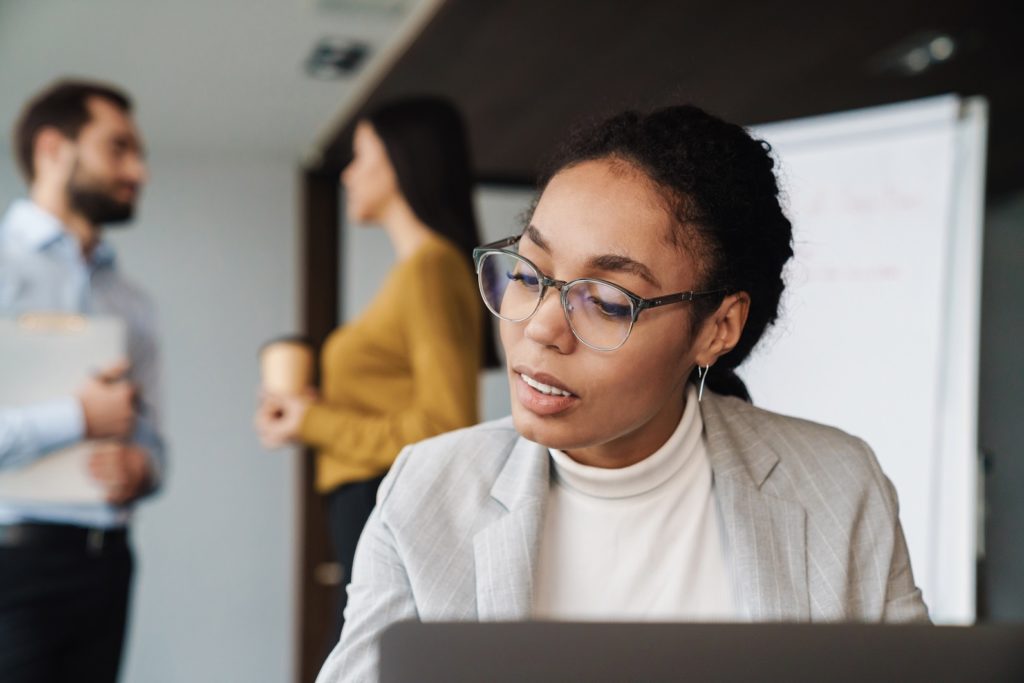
<point>506,550</point>
<point>766,535</point>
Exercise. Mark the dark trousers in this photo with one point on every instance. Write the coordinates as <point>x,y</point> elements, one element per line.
<point>63,607</point>
<point>348,508</point>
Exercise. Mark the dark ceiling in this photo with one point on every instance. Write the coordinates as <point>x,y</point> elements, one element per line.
<point>524,71</point>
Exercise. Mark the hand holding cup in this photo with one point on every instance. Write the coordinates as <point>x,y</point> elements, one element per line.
<point>286,370</point>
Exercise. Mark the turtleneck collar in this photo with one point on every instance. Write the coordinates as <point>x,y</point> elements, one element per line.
<point>641,477</point>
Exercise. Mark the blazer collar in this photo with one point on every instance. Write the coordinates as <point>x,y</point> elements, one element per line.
<point>736,440</point>
<point>524,478</point>
<point>766,534</point>
<point>506,550</point>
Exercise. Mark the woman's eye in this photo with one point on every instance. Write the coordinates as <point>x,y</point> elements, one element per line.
<point>526,279</point>
<point>612,310</point>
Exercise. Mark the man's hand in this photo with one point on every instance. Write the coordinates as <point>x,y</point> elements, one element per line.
<point>107,404</point>
<point>279,417</point>
<point>122,469</point>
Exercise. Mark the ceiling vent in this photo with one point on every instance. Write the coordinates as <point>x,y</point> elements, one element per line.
<point>336,58</point>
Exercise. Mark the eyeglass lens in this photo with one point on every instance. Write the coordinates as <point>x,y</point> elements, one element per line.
<point>600,315</point>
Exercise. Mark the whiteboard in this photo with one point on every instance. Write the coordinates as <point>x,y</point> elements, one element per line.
<point>879,329</point>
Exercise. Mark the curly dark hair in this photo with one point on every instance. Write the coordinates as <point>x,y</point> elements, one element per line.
<point>720,183</point>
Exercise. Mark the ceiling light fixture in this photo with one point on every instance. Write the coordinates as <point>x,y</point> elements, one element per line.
<point>917,53</point>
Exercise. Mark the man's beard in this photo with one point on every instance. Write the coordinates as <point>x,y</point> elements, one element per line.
<point>93,200</point>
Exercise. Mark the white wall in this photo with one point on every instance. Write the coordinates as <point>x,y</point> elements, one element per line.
<point>367,256</point>
<point>215,245</point>
<point>10,182</point>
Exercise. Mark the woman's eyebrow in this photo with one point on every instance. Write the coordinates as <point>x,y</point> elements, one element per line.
<point>534,234</point>
<point>612,263</point>
<point>623,264</point>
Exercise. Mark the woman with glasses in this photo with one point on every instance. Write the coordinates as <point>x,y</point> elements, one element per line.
<point>634,480</point>
<point>407,368</point>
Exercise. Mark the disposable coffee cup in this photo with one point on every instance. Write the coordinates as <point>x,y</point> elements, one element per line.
<point>286,366</point>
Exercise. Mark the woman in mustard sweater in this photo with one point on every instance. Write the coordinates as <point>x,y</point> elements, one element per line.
<point>407,368</point>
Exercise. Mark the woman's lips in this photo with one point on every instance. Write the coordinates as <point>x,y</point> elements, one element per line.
<point>536,399</point>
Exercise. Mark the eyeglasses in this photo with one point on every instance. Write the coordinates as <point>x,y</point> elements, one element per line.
<point>601,314</point>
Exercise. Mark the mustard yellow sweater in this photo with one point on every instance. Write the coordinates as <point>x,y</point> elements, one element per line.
<point>406,369</point>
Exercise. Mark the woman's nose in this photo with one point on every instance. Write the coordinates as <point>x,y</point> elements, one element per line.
<point>548,326</point>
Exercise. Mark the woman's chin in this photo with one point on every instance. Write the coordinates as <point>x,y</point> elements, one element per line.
<point>548,431</point>
<point>364,219</point>
<point>358,212</point>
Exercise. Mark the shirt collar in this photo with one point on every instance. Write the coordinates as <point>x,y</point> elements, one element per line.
<point>31,228</point>
<point>103,255</point>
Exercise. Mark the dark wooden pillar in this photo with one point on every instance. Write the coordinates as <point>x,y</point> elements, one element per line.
<point>320,297</point>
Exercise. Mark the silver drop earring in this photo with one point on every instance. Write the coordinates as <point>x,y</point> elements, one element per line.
<point>703,376</point>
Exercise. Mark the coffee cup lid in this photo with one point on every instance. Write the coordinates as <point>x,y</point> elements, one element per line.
<point>298,339</point>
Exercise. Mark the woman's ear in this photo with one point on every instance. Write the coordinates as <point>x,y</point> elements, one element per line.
<point>721,332</point>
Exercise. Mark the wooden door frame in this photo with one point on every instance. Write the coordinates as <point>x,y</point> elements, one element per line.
<point>321,312</point>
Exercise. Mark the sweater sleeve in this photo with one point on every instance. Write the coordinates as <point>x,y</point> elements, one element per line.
<point>442,332</point>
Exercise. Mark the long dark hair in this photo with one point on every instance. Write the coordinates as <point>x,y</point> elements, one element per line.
<point>425,139</point>
<point>722,186</point>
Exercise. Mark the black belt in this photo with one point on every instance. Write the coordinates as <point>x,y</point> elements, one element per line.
<point>63,536</point>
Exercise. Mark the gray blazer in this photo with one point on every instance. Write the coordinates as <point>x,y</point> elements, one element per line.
<point>811,523</point>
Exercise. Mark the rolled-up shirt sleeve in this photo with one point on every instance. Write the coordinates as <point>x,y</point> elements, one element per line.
<point>30,432</point>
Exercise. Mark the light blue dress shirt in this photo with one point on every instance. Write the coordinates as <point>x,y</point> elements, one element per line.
<point>42,269</point>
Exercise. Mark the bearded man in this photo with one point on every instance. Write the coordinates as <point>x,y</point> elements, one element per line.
<point>65,569</point>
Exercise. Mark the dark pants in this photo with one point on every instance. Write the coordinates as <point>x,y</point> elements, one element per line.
<point>348,508</point>
<point>63,605</point>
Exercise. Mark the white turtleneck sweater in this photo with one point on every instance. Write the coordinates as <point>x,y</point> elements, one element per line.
<point>639,543</point>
